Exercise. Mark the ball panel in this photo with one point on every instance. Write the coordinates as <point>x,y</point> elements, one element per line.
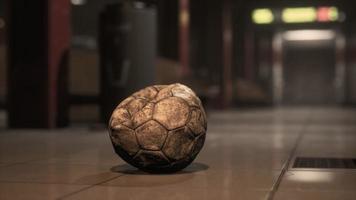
<point>121,116</point>
<point>159,87</point>
<point>125,102</point>
<point>183,88</point>
<point>125,138</point>
<point>171,112</point>
<point>151,135</point>
<point>148,93</point>
<point>124,155</point>
<point>181,164</point>
<point>143,115</point>
<point>196,122</point>
<point>164,93</point>
<point>187,94</point>
<point>150,159</point>
<point>135,105</point>
<point>198,145</point>
<point>178,144</point>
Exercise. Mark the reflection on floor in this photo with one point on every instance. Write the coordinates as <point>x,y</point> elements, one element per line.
<point>248,155</point>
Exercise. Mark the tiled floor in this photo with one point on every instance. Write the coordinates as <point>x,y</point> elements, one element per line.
<point>248,155</point>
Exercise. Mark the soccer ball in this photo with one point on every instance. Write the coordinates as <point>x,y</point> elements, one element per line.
<point>159,129</point>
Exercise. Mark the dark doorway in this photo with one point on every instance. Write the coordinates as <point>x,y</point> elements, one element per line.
<point>309,72</point>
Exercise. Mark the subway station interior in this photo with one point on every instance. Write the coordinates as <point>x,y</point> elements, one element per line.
<point>277,80</point>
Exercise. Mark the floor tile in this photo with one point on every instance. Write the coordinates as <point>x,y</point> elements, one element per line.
<point>321,144</point>
<point>3,164</point>
<point>197,177</point>
<point>101,192</point>
<point>56,173</point>
<point>242,158</point>
<point>103,156</point>
<point>314,195</point>
<point>34,145</point>
<point>25,191</point>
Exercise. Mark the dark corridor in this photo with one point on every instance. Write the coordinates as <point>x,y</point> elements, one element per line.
<point>309,72</point>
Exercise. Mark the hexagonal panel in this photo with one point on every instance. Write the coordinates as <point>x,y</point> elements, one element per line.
<point>159,87</point>
<point>143,115</point>
<point>147,93</point>
<point>187,94</point>
<point>179,144</point>
<point>196,122</point>
<point>135,105</point>
<point>125,138</point>
<point>164,93</point>
<point>181,87</point>
<point>171,112</point>
<point>151,135</point>
<point>120,116</point>
<point>198,145</point>
<point>148,158</point>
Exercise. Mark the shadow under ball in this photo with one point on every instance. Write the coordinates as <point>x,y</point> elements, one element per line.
<point>159,129</point>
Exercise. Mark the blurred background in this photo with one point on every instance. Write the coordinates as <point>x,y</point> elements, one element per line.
<point>70,62</point>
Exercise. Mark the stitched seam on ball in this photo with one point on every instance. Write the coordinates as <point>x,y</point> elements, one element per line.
<point>171,95</point>
<point>160,124</point>
<point>166,157</point>
<point>138,143</point>
<point>165,140</point>
<point>137,153</point>
<point>189,118</point>
<point>133,114</point>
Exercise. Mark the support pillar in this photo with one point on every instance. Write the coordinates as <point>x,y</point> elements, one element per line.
<point>184,21</point>
<point>227,34</point>
<point>38,50</point>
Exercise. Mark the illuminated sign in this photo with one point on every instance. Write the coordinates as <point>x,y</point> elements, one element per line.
<point>297,15</point>
<point>262,16</point>
<point>327,14</point>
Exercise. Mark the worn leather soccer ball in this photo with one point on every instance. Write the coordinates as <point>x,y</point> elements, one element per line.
<point>159,129</point>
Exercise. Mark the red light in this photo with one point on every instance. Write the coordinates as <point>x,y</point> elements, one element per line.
<point>323,14</point>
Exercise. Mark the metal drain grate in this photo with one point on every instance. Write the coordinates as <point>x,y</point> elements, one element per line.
<point>325,163</point>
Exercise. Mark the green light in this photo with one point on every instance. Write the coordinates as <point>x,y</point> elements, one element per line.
<point>299,15</point>
<point>333,14</point>
<point>262,16</point>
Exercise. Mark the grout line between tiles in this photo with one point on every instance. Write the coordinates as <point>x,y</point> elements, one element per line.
<point>35,162</point>
<point>46,183</point>
<point>276,184</point>
<point>88,187</point>
<point>18,163</point>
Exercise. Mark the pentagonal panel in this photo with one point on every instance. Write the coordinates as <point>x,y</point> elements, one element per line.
<point>178,144</point>
<point>120,116</point>
<point>135,105</point>
<point>151,135</point>
<point>198,145</point>
<point>125,138</point>
<point>183,88</point>
<point>164,93</point>
<point>159,87</point>
<point>172,112</point>
<point>150,158</point>
<point>187,94</point>
<point>148,93</point>
<point>196,122</point>
<point>143,115</point>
